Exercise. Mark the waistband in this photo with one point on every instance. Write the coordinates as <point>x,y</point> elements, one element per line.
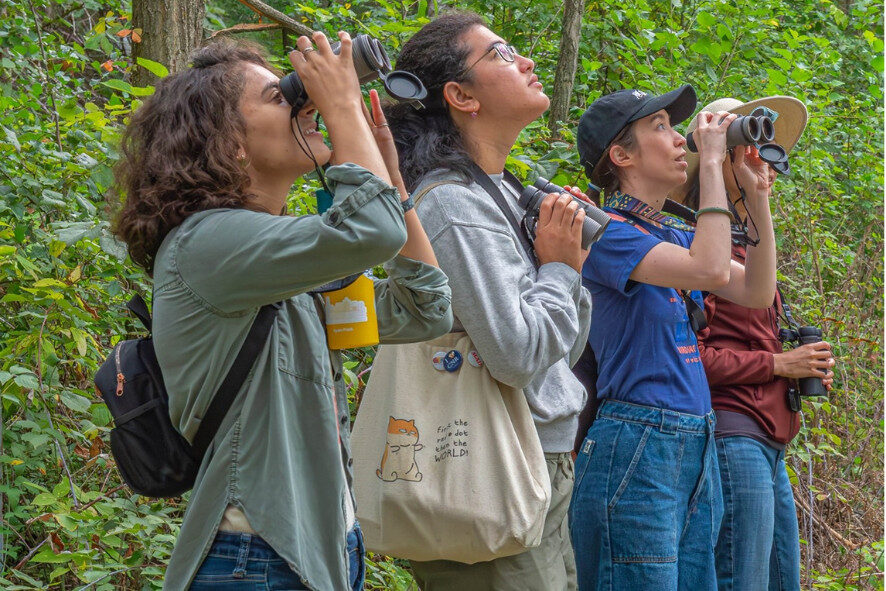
<point>232,544</point>
<point>666,420</point>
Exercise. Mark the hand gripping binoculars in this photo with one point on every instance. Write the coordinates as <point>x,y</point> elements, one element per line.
<point>371,62</point>
<point>595,221</point>
<point>758,130</point>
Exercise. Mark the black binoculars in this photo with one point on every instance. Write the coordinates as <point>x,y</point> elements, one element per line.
<point>595,221</point>
<point>805,335</point>
<point>371,62</point>
<point>747,130</point>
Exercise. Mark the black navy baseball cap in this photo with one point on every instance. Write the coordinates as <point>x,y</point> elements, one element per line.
<point>609,114</point>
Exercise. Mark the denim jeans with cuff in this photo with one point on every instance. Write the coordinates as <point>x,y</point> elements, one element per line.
<point>759,544</point>
<point>245,562</point>
<point>647,502</point>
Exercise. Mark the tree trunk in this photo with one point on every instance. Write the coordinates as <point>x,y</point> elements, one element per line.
<point>567,62</point>
<point>171,30</point>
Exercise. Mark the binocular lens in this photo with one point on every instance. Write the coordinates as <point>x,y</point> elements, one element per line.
<point>746,130</point>
<point>767,129</point>
<point>369,58</point>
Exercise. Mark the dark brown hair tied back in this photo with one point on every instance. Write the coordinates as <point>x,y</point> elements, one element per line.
<point>179,151</point>
<point>605,174</point>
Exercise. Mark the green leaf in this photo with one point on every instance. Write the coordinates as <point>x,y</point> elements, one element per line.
<point>155,68</point>
<point>12,138</point>
<point>706,20</point>
<point>27,381</point>
<point>75,401</point>
<point>44,499</point>
<point>117,84</point>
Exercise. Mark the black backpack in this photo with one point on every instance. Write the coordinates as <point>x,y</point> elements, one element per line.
<point>152,456</point>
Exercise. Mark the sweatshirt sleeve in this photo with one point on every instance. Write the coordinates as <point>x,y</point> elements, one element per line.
<point>725,366</point>
<point>238,259</point>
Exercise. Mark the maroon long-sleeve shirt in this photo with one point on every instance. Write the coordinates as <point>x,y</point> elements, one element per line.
<point>737,349</point>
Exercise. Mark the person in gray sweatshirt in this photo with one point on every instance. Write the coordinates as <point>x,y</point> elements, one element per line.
<point>521,302</point>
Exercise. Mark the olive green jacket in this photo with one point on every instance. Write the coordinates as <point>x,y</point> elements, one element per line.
<point>281,455</point>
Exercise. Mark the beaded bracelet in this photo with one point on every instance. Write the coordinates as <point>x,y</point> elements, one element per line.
<point>704,210</point>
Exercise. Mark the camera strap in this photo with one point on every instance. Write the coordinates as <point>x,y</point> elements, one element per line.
<point>482,179</point>
<point>786,309</point>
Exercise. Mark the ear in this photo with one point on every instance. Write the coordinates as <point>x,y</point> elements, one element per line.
<point>460,98</point>
<point>619,156</point>
<point>391,420</point>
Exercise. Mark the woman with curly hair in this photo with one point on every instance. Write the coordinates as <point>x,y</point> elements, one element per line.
<point>208,161</point>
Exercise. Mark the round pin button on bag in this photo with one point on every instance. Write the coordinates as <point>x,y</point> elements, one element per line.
<point>437,360</point>
<point>452,361</point>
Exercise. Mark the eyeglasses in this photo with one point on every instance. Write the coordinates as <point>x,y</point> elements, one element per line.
<point>762,111</point>
<point>506,52</point>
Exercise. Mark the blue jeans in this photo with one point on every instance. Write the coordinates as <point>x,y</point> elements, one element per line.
<point>245,562</point>
<point>759,544</point>
<point>647,502</point>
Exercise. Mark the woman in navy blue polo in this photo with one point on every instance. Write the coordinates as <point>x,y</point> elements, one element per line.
<point>647,503</point>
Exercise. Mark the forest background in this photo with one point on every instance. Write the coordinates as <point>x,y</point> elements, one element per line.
<point>71,73</point>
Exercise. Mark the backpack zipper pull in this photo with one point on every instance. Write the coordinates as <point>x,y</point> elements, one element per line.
<point>121,379</point>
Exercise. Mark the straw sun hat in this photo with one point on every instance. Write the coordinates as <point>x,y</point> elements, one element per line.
<point>789,126</point>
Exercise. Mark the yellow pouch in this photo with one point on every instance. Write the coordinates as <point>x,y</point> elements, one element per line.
<point>350,315</point>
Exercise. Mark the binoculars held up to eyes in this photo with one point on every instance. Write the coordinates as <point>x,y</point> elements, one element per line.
<point>746,130</point>
<point>371,62</point>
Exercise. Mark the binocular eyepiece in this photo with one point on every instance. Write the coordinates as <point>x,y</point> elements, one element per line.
<point>371,62</point>
<point>747,130</point>
<point>595,221</point>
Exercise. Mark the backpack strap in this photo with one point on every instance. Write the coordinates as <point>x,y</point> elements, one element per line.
<point>425,190</point>
<point>230,386</point>
<point>137,306</point>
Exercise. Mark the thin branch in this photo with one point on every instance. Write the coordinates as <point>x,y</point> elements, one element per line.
<point>278,17</point>
<point>46,83</point>
<point>543,31</point>
<point>836,536</point>
<point>245,28</point>
<point>58,445</point>
<point>111,574</point>
<point>30,554</point>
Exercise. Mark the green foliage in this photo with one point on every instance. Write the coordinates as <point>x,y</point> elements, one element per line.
<point>65,93</point>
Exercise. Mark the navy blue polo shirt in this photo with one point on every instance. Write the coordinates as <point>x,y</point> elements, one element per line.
<point>646,351</point>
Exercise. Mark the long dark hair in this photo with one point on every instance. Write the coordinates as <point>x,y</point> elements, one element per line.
<point>179,151</point>
<point>428,139</point>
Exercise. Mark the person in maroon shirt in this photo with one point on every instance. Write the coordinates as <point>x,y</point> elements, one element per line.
<point>749,375</point>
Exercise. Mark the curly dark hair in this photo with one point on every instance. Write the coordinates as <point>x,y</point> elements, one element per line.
<point>179,151</point>
<point>428,139</point>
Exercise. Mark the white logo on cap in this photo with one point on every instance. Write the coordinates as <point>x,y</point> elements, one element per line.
<point>638,94</point>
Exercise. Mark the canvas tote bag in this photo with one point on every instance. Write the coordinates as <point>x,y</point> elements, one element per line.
<point>447,461</point>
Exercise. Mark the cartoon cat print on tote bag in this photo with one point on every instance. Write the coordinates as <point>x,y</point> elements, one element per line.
<point>398,461</point>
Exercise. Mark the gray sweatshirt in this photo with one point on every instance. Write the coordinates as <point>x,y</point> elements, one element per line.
<point>529,326</point>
